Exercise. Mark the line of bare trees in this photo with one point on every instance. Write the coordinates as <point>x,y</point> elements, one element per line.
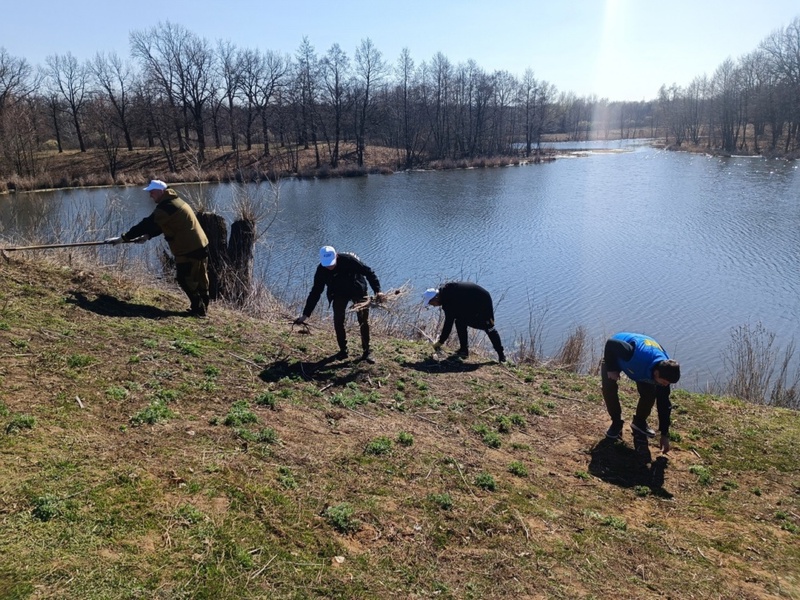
<point>181,93</point>
<point>751,104</point>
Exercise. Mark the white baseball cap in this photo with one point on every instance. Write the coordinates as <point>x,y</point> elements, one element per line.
<point>429,295</point>
<point>156,184</point>
<point>327,256</point>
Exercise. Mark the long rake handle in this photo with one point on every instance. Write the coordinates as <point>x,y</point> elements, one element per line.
<point>48,246</point>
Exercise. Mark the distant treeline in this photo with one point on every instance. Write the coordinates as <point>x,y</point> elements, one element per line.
<point>181,93</point>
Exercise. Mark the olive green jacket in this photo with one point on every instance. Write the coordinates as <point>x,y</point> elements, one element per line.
<point>176,220</point>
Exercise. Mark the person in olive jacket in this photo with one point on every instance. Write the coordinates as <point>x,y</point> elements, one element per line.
<point>345,277</point>
<point>467,305</point>
<point>187,241</point>
<point>647,364</point>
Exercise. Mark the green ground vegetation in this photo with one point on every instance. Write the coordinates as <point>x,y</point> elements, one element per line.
<point>147,454</point>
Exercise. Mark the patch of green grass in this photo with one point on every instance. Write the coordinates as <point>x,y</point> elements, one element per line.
<point>378,446</point>
<point>518,469</point>
<point>239,414</point>
<point>211,371</point>
<point>703,474</point>
<point>341,517</point>
<point>20,344</point>
<point>286,478</point>
<point>534,409</point>
<point>641,491</point>
<point>77,361</point>
<point>155,412</point>
<point>405,439</point>
<point>187,347</point>
<point>21,422</point>
<point>116,392</point>
<point>46,508</point>
<point>492,439</point>
<point>485,481</point>
<point>352,397</point>
<point>583,475</point>
<point>267,399</point>
<point>503,423</point>
<point>443,501</point>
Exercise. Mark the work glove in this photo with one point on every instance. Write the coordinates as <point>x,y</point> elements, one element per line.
<point>300,320</point>
<point>380,297</point>
<point>113,240</point>
<point>437,346</point>
<point>141,239</point>
<point>613,375</point>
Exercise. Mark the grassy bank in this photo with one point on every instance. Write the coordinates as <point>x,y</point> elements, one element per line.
<point>146,454</point>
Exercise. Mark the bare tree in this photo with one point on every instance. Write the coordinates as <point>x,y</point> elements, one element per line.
<point>115,78</point>
<point>68,80</point>
<point>370,71</point>
<point>306,80</point>
<point>159,52</point>
<point>783,49</point>
<point>335,71</point>
<point>230,62</point>
<point>17,79</point>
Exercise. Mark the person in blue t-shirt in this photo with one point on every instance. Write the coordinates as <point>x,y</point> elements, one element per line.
<point>646,363</point>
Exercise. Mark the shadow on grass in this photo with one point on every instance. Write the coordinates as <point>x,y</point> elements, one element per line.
<point>449,365</point>
<point>616,463</point>
<point>110,306</point>
<point>327,370</point>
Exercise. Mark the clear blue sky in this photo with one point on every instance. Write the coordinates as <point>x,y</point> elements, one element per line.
<point>617,49</point>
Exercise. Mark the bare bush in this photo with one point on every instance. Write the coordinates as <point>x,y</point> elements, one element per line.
<point>573,351</point>
<point>751,359</point>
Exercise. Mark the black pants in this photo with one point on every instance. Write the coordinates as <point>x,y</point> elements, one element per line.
<point>463,339</point>
<point>340,311</point>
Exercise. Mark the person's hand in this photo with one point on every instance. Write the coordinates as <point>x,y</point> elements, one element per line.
<point>380,297</point>
<point>300,320</point>
<point>113,240</point>
<point>141,239</point>
<point>664,443</point>
<point>613,375</point>
<point>437,346</point>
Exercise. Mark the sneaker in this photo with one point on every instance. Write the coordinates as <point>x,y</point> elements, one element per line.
<point>461,353</point>
<point>341,355</point>
<point>367,356</point>
<point>615,431</point>
<point>643,428</point>
<point>501,358</point>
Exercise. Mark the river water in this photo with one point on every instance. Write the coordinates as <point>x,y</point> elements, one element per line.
<point>683,247</point>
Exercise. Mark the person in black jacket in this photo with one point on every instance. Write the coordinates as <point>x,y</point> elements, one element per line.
<point>345,277</point>
<point>467,305</point>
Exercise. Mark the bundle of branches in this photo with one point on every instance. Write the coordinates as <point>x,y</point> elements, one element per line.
<point>390,297</point>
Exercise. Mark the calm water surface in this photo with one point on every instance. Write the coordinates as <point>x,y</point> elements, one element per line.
<point>682,247</point>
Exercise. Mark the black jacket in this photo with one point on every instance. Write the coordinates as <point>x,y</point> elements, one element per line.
<point>466,302</point>
<point>348,280</point>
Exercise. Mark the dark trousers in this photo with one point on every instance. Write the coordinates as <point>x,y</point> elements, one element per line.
<point>192,277</point>
<point>339,312</point>
<point>463,339</point>
<point>647,397</point>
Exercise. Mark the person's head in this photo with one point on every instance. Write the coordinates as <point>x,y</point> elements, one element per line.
<point>327,257</point>
<point>156,188</point>
<point>666,372</point>
<point>431,297</point>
